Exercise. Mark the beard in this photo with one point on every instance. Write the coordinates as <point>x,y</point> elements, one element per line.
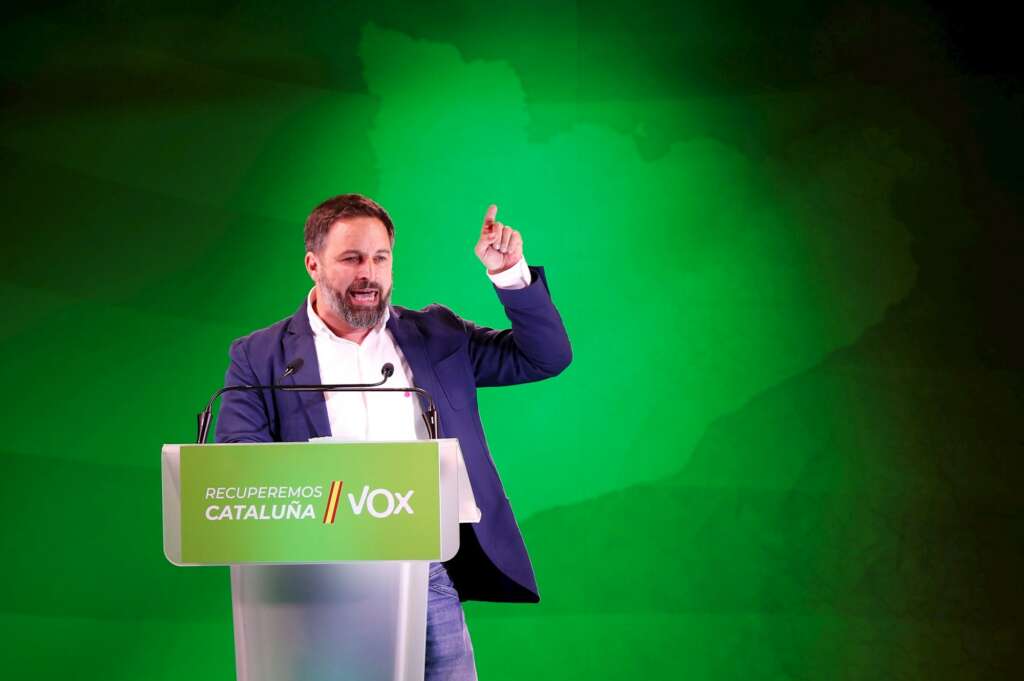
<point>358,316</point>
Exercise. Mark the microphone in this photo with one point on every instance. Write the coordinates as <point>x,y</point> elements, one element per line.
<point>430,417</point>
<point>292,367</point>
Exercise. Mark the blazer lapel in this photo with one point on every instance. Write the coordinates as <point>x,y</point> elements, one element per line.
<point>410,340</point>
<point>298,342</point>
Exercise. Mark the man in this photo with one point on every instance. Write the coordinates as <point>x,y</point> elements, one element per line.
<point>346,329</point>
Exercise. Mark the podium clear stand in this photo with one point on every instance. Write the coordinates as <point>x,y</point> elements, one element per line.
<point>335,592</point>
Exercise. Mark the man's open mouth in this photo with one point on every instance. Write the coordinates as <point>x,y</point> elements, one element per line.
<point>365,297</point>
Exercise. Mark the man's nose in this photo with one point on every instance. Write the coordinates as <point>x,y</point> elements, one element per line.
<point>367,269</point>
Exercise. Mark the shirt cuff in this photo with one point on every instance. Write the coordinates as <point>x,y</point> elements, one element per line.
<point>515,277</point>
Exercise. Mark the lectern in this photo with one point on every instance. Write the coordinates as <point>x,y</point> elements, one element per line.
<point>328,544</point>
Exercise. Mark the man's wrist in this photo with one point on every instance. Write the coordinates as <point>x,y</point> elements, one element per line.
<point>515,277</point>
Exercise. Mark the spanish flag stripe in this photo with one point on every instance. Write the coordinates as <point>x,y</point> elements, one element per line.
<point>332,502</point>
<point>337,501</point>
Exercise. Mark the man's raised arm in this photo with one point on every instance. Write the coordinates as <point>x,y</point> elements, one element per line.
<point>537,346</point>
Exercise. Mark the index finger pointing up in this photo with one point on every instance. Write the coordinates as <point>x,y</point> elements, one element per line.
<point>492,212</point>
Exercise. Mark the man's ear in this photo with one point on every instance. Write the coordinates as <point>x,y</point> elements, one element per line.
<point>311,265</point>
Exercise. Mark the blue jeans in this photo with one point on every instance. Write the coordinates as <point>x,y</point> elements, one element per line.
<point>449,650</point>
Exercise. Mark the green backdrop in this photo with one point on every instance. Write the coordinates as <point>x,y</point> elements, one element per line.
<point>785,241</point>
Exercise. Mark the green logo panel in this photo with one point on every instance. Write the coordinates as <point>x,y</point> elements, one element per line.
<point>286,503</point>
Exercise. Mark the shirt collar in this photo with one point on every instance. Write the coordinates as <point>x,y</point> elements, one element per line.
<point>320,329</point>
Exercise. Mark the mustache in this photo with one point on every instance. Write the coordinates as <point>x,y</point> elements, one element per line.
<point>363,286</point>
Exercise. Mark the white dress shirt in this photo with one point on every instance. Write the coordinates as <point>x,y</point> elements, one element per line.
<point>364,416</point>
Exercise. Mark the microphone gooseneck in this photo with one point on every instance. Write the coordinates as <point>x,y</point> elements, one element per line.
<point>430,417</point>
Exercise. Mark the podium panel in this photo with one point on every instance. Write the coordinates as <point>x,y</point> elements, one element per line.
<point>359,622</point>
<point>322,502</point>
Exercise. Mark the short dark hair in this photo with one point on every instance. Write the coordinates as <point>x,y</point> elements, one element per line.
<point>319,222</point>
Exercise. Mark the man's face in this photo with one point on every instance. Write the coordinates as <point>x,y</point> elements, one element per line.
<point>353,271</point>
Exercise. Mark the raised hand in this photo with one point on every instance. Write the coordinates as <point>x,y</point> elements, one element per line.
<point>500,247</point>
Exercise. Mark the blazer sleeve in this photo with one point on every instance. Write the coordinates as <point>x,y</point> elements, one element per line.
<point>536,347</point>
<point>243,415</point>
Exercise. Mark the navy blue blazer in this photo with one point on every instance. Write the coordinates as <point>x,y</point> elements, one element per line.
<point>450,357</point>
